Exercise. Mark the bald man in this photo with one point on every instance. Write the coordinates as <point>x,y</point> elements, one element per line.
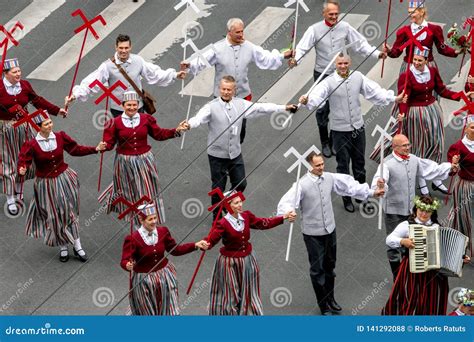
<point>400,172</point>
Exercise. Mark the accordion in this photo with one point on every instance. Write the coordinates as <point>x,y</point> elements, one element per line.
<point>437,248</point>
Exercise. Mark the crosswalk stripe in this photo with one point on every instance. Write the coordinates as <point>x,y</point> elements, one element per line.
<point>303,73</point>
<point>32,15</point>
<point>174,31</point>
<point>257,32</point>
<point>65,57</point>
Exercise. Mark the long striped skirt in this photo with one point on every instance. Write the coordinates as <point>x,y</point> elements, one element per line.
<point>53,213</point>
<point>461,215</point>
<point>11,141</point>
<point>235,287</point>
<point>155,293</point>
<point>423,125</point>
<point>134,177</point>
<point>417,293</point>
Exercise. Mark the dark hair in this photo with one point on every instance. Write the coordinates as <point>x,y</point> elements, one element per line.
<point>311,155</point>
<point>122,38</point>
<point>228,78</point>
<point>427,200</point>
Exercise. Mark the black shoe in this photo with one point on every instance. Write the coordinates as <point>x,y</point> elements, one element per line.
<point>348,204</point>
<point>327,151</point>
<point>333,305</point>
<point>64,258</point>
<point>325,311</point>
<point>358,201</point>
<point>83,258</point>
<point>437,188</point>
<point>333,150</point>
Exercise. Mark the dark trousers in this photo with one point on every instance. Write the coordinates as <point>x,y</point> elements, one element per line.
<point>350,148</point>
<point>116,112</point>
<point>322,118</point>
<point>322,261</point>
<point>220,168</point>
<point>394,254</point>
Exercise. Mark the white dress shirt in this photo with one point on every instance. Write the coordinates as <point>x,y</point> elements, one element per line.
<point>47,144</point>
<point>150,238</point>
<point>236,223</point>
<point>131,122</point>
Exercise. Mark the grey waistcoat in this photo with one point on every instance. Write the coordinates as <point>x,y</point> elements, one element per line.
<point>228,144</point>
<point>233,61</point>
<point>316,206</point>
<point>345,106</point>
<point>327,46</point>
<point>133,70</point>
<point>401,185</point>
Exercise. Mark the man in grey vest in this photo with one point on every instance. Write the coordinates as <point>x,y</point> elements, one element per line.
<point>313,198</point>
<point>400,172</point>
<point>342,89</point>
<point>223,117</point>
<point>232,56</point>
<point>327,37</point>
<point>136,68</point>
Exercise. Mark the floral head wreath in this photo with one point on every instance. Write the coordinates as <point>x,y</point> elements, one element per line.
<point>465,297</point>
<point>427,207</point>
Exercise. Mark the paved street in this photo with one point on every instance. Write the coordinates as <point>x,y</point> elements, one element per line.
<point>48,51</point>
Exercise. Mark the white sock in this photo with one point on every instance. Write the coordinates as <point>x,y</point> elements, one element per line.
<point>78,247</point>
<point>440,185</point>
<point>423,188</point>
<point>10,199</point>
<point>18,190</point>
<point>63,250</point>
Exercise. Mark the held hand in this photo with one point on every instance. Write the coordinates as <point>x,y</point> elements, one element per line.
<point>400,117</point>
<point>289,54</point>
<point>408,243</point>
<point>183,66</point>
<point>290,216</point>
<point>69,100</point>
<point>380,183</point>
<point>292,108</point>
<point>383,55</point>
<point>101,146</point>
<point>466,259</point>
<point>181,75</point>
<point>470,79</point>
<point>292,62</point>
<point>379,192</point>
<point>130,265</point>
<point>401,97</point>
<point>183,126</point>
<point>202,245</point>
<point>303,100</point>
<point>22,171</point>
<point>63,112</point>
<point>470,94</point>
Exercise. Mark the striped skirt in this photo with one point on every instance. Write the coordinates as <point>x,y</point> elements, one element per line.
<point>11,141</point>
<point>235,287</point>
<point>54,211</point>
<point>155,293</point>
<point>134,177</point>
<point>461,214</point>
<point>423,125</point>
<point>417,293</point>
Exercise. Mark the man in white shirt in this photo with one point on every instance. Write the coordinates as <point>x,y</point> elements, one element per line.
<point>232,56</point>
<point>327,37</point>
<point>313,198</point>
<point>342,89</point>
<point>136,68</point>
<point>224,116</point>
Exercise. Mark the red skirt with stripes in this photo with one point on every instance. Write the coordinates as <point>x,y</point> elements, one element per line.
<point>417,293</point>
<point>235,287</point>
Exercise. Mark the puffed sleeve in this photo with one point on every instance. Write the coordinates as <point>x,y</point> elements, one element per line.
<point>110,134</point>
<point>175,249</point>
<point>128,252</point>
<point>158,133</point>
<point>73,148</point>
<point>438,38</point>
<point>263,223</point>
<point>396,50</point>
